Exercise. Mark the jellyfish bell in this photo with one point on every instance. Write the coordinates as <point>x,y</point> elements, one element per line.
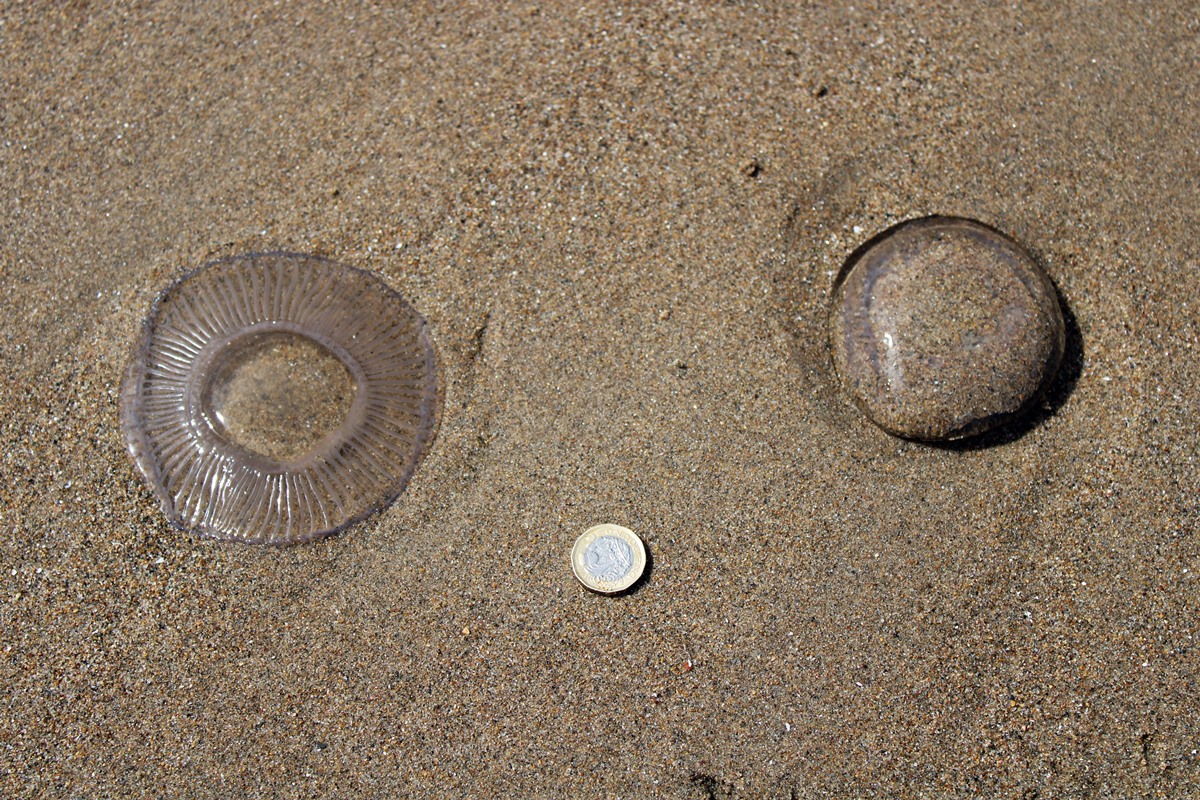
<point>942,328</point>
<point>277,398</point>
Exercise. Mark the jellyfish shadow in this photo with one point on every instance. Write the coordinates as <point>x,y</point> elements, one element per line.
<point>1043,405</point>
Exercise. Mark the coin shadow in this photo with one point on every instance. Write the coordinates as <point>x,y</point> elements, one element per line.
<point>643,578</point>
<point>1047,403</point>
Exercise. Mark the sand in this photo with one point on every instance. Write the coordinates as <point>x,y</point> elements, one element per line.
<point>622,224</point>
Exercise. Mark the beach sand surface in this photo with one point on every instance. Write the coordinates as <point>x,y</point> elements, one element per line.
<point>623,224</point>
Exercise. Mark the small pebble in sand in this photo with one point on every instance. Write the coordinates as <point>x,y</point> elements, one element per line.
<point>943,328</point>
<point>608,559</point>
<point>277,398</point>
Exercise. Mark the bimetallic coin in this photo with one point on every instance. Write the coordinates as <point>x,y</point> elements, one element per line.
<point>608,559</point>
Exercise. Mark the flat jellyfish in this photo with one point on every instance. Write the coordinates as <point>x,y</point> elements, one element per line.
<point>277,398</point>
<point>943,328</point>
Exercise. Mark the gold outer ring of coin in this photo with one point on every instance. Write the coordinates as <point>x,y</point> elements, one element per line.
<point>593,575</point>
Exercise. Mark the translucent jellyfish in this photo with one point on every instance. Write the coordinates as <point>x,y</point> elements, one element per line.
<point>944,327</point>
<point>276,398</point>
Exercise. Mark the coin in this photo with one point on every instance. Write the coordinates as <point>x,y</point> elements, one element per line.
<point>608,559</point>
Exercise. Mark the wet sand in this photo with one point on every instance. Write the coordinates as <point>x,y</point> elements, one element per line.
<point>623,226</point>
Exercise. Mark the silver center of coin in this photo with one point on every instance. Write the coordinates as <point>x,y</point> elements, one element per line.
<point>608,558</point>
